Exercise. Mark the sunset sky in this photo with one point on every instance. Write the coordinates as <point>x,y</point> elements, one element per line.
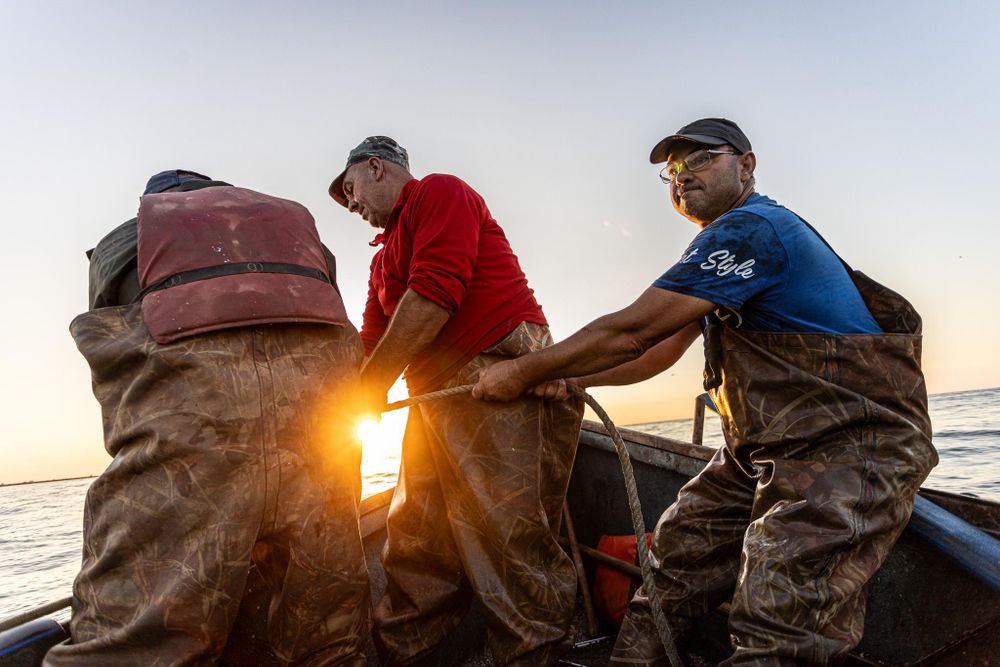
<point>877,122</point>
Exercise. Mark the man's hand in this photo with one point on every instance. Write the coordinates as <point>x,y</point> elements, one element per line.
<point>500,382</point>
<point>554,390</point>
<point>414,325</point>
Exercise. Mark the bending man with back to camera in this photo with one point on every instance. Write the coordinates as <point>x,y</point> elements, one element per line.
<point>815,369</point>
<point>222,358</point>
<point>477,507</point>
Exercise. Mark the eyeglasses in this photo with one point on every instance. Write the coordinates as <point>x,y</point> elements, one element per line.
<point>694,162</point>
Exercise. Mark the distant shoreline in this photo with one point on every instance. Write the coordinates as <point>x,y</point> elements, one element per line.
<point>46,481</point>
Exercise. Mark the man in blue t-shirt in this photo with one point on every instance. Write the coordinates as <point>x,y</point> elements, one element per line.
<point>761,263</point>
<point>815,369</point>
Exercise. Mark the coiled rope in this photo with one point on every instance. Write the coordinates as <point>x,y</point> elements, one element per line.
<point>638,524</point>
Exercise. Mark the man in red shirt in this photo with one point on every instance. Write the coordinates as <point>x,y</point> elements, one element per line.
<point>477,508</point>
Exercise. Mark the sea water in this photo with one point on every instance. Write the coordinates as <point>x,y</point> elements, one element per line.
<point>40,524</point>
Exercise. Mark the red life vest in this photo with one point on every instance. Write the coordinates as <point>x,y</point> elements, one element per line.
<point>226,257</point>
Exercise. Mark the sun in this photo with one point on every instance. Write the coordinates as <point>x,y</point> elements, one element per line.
<point>369,432</point>
<point>382,440</point>
<point>382,445</point>
<point>381,451</point>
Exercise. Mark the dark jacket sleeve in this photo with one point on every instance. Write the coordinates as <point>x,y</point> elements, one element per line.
<point>112,265</point>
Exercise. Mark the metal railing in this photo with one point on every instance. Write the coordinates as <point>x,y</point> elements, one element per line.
<point>698,430</point>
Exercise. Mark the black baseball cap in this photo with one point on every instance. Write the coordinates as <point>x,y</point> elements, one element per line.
<point>378,146</point>
<point>708,131</point>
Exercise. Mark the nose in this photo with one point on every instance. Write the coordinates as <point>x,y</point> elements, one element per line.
<point>352,204</point>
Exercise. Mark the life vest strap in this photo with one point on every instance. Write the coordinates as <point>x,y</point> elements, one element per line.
<point>232,269</point>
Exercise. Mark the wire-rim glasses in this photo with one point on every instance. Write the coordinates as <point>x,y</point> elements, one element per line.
<point>693,162</point>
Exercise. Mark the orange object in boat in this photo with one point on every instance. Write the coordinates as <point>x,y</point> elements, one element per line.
<point>614,589</point>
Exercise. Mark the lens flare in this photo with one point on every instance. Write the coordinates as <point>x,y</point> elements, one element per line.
<point>381,439</point>
<point>368,432</point>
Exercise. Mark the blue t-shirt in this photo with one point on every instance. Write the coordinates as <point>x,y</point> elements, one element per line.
<point>764,264</point>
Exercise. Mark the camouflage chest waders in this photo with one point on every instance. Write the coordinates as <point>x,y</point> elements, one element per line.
<point>828,440</point>
<point>476,514</point>
<point>220,442</point>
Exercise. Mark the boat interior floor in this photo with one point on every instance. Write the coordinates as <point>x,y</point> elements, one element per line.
<point>466,647</point>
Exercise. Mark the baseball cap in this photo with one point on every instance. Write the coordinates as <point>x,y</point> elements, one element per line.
<point>165,180</point>
<point>708,131</point>
<point>379,146</point>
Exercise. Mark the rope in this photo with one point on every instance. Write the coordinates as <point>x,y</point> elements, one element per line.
<point>638,524</point>
<point>426,398</point>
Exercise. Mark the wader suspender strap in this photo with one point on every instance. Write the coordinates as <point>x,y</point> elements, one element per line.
<point>710,332</point>
<point>230,270</point>
<point>847,266</point>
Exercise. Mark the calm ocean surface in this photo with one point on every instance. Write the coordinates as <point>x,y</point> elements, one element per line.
<point>40,523</point>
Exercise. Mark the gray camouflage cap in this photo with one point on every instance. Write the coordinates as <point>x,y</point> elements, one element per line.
<point>384,148</point>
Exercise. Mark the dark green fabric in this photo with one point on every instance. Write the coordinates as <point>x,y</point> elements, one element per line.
<point>111,262</point>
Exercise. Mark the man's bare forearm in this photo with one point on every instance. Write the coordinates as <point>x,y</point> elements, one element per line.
<point>654,361</point>
<point>606,342</point>
<point>415,324</point>
<point>617,338</point>
<point>596,347</point>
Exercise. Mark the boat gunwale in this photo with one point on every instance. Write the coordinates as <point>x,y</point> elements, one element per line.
<point>705,453</point>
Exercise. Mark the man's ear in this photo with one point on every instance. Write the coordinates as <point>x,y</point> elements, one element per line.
<point>376,167</point>
<point>748,162</point>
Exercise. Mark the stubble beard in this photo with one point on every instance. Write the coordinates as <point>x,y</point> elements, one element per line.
<point>705,207</point>
<point>703,210</point>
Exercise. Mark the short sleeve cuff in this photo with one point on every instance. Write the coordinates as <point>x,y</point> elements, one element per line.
<point>687,290</point>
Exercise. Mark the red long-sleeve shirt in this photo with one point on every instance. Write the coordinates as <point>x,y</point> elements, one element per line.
<point>441,242</point>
